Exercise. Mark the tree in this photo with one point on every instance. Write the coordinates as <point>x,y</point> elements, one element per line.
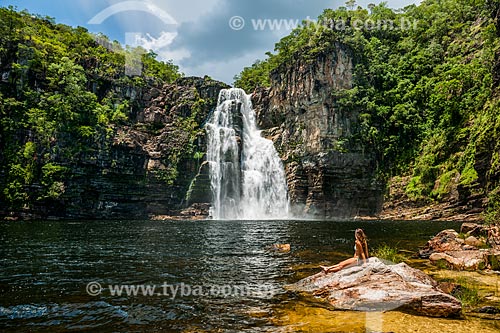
<point>350,4</point>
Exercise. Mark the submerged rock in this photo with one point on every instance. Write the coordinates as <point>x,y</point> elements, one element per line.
<point>486,312</point>
<point>377,286</point>
<point>280,247</point>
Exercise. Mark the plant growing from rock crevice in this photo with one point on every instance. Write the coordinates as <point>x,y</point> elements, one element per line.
<point>389,253</point>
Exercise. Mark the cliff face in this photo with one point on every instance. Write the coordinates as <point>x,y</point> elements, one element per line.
<point>148,168</point>
<point>329,174</point>
<point>80,138</point>
<point>137,170</point>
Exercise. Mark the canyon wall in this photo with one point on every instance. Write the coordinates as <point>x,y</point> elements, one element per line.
<point>329,173</point>
<point>137,170</point>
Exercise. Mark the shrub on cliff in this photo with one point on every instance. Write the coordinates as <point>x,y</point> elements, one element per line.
<point>426,88</point>
<point>61,95</point>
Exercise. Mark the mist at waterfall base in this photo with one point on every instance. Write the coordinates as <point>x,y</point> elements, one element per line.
<point>247,177</point>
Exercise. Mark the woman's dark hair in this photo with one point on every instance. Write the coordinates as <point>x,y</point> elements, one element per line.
<point>361,236</point>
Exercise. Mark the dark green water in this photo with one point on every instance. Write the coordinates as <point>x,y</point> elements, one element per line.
<point>46,266</point>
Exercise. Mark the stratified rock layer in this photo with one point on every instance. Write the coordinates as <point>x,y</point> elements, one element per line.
<point>144,168</point>
<point>329,173</point>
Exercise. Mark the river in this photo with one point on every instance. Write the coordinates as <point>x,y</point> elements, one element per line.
<point>208,276</point>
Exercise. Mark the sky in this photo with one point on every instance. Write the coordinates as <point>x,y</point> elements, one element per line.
<point>204,37</point>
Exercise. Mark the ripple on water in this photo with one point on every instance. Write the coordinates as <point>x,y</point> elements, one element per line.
<point>46,267</point>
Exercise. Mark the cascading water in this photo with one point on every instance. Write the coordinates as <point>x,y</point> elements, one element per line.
<point>246,174</point>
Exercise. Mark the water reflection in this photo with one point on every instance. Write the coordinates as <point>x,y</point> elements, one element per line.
<point>45,267</point>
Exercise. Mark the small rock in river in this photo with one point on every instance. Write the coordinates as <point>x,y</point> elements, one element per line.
<point>281,247</point>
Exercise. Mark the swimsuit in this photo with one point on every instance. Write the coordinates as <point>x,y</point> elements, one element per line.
<point>358,260</point>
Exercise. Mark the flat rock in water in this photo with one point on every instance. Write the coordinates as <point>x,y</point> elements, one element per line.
<point>462,260</point>
<point>377,286</point>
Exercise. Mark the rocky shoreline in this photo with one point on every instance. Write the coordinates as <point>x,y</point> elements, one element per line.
<point>476,247</point>
<point>458,205</point>
<point>436,212</point>
<point>380,285</point>
<point>432,212</point>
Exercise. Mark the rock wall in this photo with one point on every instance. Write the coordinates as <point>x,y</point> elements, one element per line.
<point>155,165</point>
<point>141,169</point>
<point>329,174</point>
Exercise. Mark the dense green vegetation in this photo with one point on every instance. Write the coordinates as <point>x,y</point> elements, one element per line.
<point>427,93</point>
<point>62,92</point>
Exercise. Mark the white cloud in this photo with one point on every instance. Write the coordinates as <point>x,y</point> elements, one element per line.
<point>187,10</point>
<point>176,55</point>
<point>202,43</point>
<point>222,70</point>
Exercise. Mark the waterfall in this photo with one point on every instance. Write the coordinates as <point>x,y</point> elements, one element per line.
<point>247,178</point>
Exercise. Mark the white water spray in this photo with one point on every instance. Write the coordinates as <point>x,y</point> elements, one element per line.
<point>247,184</point>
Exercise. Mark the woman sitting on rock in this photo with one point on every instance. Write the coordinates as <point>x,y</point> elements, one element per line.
<point>360,254</point>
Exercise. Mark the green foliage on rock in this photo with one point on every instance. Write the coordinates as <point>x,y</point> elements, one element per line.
<point>426,89</point>
<point>63,91</point>
<point>389,253</point>
<point>254,76</point>
<point>467,292</point>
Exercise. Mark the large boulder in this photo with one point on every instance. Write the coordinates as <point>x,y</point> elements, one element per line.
<point>474,229</point>
<point>446,240</point>
<point>377,286</point>
<point>461,260</point>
